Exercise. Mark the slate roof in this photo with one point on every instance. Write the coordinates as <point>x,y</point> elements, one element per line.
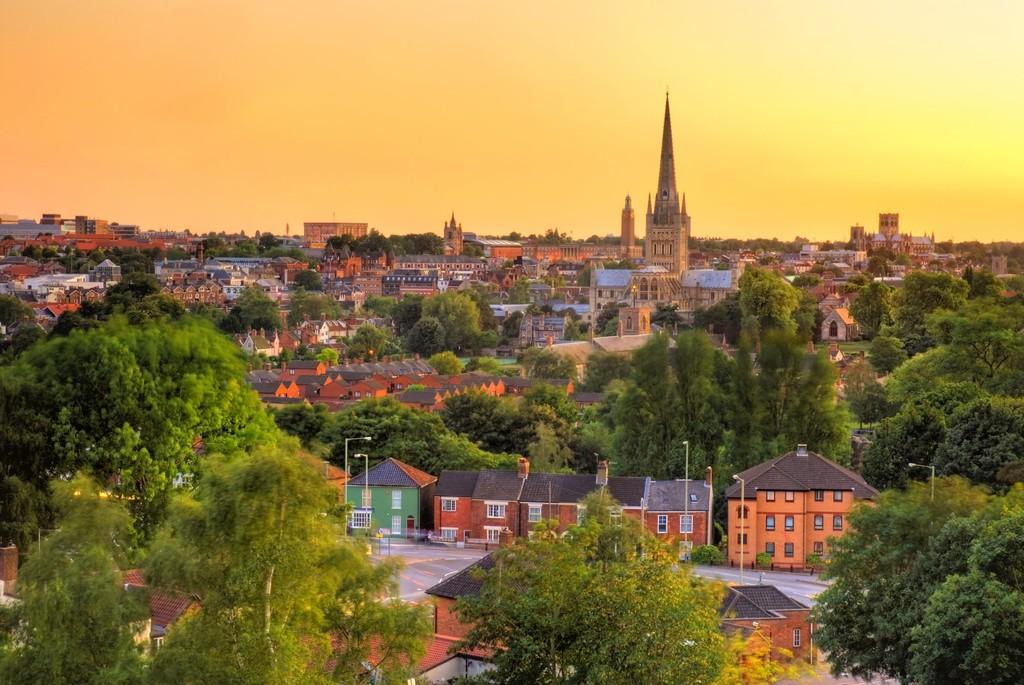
<point>801,472</point>
<point>456,484</point>
<point>266,387</point>
<point>303,364</point>
<point>426,398</point>
<point>670,495</point>
<point>612,278</point>
<point>757,602</point>
<point>464,583</point>
<point>497,485</point>
<point>571,487</point>
<point>393,473</point>
<point>707,278</point>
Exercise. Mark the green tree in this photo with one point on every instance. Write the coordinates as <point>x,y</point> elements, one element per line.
<point>886,353</point>
<point>983,343</point>
<point>911,436</point>
<point>253,310</point>
<point>767,300</point>
<point>543,363</point>
<point>983,284</point>
<point>133,415</point>
<point>427,337</point>
<point>865,394</point>
<point>445,363</point>
<point>75,623</point>
<point>379,305</point>
<point>548,452</point>
<point>261,544</point>
<point>493,423</point>
<point>25,337</point>
<point>304,421</point>
<point>587,609</point>
<point>873,308</point>
<point>418,438</point>
<point>486,364</point>
<point>370,343</point>
<point>984,436</point>
<point>519,293</point>
<point>459,315</point>
<point>308,280</point>
<point>406,313</point>
<point>308,305</point>
<point>510,325</point>
<point>724,318</point>
<point>13,310</point>
<point>603,368</point>
<point>923,293</point>
<point>972,632</point>
<point>554,398</point>
<point>903,548</point>
<point>325,354</point>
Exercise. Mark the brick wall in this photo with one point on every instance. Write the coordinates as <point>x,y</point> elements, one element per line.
<point>446,621</point>
<point>779,632</point>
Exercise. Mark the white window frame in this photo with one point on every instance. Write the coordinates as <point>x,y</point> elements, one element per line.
<point>393,498</point>
<point>789,523</point>
<point>615,514</point>
<point>837,495</point>
<point>396,530</point>
<point>662,523</point>
<point>790,496</point>
<point>492,533</point>
<point>496,507</point>
<point>685,519</point>
<point>581,515</point>
<point>533,513</point>
<point>449,534</point>
<point>448,503</point>
<point>797,637</point>
<point>769,495</point>
<point>360,518</point>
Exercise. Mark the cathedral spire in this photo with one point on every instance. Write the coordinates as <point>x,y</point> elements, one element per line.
<point>667,172</point>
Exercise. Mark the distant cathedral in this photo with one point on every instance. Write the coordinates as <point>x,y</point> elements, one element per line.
<point>668,225</point>
<point>453,237</point>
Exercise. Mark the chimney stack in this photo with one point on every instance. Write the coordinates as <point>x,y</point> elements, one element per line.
<point>709,477</point>
<point>602,472</point>
<point>524,467</point>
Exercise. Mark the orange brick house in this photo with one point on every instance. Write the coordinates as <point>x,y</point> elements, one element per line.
<point>766,613</point>
<point>790,506</point>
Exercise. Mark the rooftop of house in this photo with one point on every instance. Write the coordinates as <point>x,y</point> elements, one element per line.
<point>394,473</point>
<point>757,602</point>
<point>463,583</point>
<point>671,495</point>
<point>558,488</point>
<point>801,470</point>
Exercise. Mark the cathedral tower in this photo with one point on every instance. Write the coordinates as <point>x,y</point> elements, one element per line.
<point>453,237</point>
<point>627,235</point>
<point>668,224</point>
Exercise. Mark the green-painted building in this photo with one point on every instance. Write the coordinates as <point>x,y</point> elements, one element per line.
<point>401,500</point>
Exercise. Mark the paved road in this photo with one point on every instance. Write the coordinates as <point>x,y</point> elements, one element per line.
<point>425,565</point>
<point>801,587</point>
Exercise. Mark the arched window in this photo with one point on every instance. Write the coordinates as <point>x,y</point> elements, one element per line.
<point>644,292</point>
<point>833,330</point>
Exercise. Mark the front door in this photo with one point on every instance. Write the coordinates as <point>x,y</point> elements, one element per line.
<point>410,526</point>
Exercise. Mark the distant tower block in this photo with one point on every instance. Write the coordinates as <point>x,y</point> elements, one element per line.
<point>858,237</point>
<point>453,237</point>
<point>627,235</point>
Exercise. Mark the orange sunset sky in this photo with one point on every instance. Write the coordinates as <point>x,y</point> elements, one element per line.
<point>789,117</point>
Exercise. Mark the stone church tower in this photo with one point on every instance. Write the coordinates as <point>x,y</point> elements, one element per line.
<point>452,237</point>
<point>626,234</point>
<point>668,224</point>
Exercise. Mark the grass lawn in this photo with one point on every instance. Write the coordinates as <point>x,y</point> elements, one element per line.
<point>855,347</point>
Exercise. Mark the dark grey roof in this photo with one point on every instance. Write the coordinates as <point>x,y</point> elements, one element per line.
<point>311,380</point>
<point>497,485</point>
<point>266,387</point>
<point>426,397</point>
<point>388,473</point>
<point>464,583</point>
<point>670,495</point>
<point>303,364</point>
<point>757,602</point>
<point>456,484</point>
<point>801,471</point>
<point>569,488</point>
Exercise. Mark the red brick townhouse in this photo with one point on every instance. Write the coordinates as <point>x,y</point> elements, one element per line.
<point>764,613</point>
<point>790,506</point>
<point>479,505</point>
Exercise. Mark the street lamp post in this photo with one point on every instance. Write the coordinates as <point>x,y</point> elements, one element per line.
<point>686,490</point>
<point>344,498</point>
<point>927,466</point>
<point>742,517</point>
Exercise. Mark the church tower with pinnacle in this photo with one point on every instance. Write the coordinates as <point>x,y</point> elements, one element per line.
<point>452,237</point>
<point>668,225</point>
